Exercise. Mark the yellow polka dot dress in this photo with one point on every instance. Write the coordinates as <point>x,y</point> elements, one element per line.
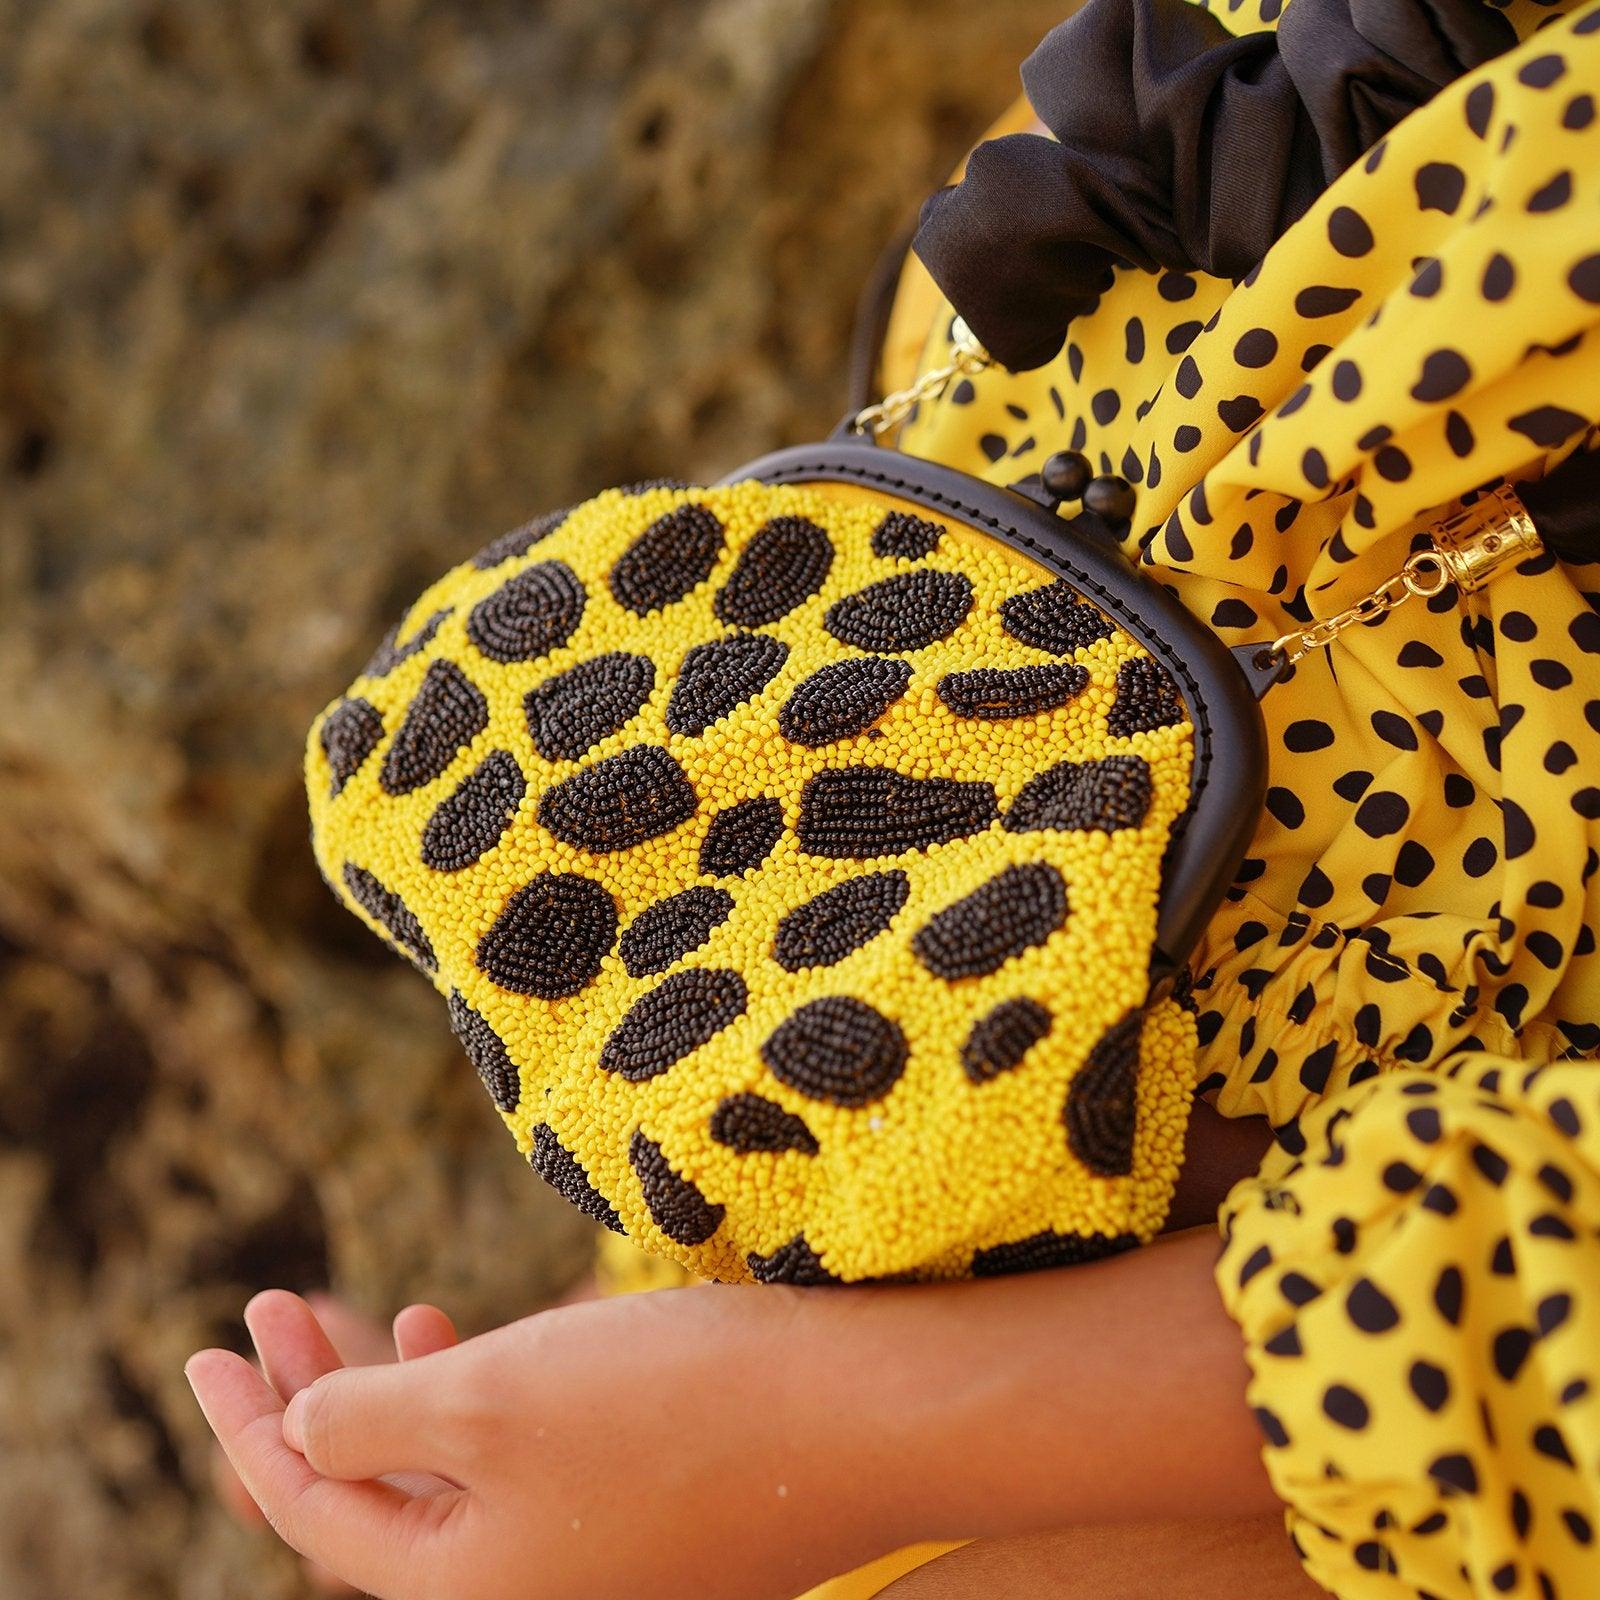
<point>1404,978</point>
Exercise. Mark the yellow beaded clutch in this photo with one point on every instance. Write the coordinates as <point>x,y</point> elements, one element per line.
<point>807,861</point>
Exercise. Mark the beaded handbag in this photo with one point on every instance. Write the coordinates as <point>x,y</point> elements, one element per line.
<point>809,861</point>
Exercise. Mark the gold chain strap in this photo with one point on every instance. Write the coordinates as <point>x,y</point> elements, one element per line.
<point>966,357</point>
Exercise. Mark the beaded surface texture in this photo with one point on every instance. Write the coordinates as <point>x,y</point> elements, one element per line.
<point>789,859</point>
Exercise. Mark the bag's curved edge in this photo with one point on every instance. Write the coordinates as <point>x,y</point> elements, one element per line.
<point>1230,766</point>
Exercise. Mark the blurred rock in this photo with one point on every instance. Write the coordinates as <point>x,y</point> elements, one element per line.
<point>299,302</point>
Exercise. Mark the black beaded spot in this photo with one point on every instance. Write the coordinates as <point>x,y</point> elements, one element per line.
<point>718,677</point>
<point>551,937</point>
<point>448,713</point>
<point>1105,795</point>
<point>561,1170</point>
<point>999,1041</point>
<point>856,813</point>
<point>906,537</point>
<point>1102,1105</point>
<point>754,1125</point>
<point>1041,1251</point>
<point>902,613</point>
<point>682,1013</point>
<point>837,1049</point>
<point>668,561</point>
<point>519,541</point>
<point>741,838</point>
<point>619,802</point>
<point>782,567</point>
<point>487,1053</point>
<point>838,922</point>
<point>569,714</point>
<point>1147,698</point>
<point>680,1210</point>
<point>472,821</point>
<point>842,699</point>
<point>529,615</point>
<point>1053,618</point>
<point>392,914</point>
<point>390,653</point>
<point>796,1263</point>
<point>995,692</point>
<point>670,929</point>
<point>350,733</point>
<point>1014,911</point>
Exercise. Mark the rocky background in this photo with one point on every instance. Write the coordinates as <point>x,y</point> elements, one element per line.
<point>299,302</point>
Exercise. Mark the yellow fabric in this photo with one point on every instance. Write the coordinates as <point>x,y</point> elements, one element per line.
<point>436,793</point>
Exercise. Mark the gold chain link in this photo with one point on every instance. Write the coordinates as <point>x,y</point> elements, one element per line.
<point>966,357</point>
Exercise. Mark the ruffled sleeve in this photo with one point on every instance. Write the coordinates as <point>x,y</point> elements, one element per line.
<point>1420,1297</point>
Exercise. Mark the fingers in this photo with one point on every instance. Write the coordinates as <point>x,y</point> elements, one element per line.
<point>290,1341</point>
<point>368,1533</point>
<point>361,1341</point>
<point>422,1330</point>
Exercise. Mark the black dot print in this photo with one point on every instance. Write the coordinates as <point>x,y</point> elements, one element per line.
<point>839,921</point>
<point>448,713</point>
<point>718,677</point>
<point>1147,698</point>
<point>487,1053</point>
<point>561,1170</point>
<point>842,699</point>
<point>1053,618</point>
<point>390,653</point>
<point>837,1049</point>
<point>1000,1040</point>
<point>619,802</point>
<point>1016,910</point>
<point>1348,232</point>
<point>529,615</point>
<point>742,837</point>
<point>1101,1110</point>
<point>754,1125</point>
<point>670,929</point>
<point>858,813</point>
<point>392,914</point>
<point>905,537</point>
<point>668,561</point>
<point>996,693</point>
<point>794,1263</point>
<point>350,733</point>
<point>786,563</point>
<point>906,612</point>
<point>550,938</point>
<point>682,1013</point>
<point>680,1210</point>
<point>569,714</point>
<point>519,541</point>
<point>472,821</point>
<point>1041,1251</point>
<point>1102,796</point>
<point>1440,186</point>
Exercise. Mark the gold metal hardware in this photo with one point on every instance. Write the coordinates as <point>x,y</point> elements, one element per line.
<point>966,357</point>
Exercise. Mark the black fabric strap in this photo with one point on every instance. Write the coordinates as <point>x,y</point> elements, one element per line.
<point>1178,145</point>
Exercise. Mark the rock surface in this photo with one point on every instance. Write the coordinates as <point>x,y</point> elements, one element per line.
<point>299,303</point>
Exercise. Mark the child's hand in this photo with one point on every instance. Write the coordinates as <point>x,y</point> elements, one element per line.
<point>647,1445</point>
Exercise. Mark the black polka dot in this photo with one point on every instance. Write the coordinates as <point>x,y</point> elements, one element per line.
<point>906,537</point>
<point>561,1170</point>
<point>1578,113</point>
<point>742,837</point>
<point>1428,279</point>
<point>1547,426</point>
<point>350,733</point>
<point>1346,381</point>
<point>1053,618</point>
<point>839,921</point>
<point>1101,796</point>
<point>680,1210</point>
<point>529,615</point>
<point>786,563</point>
<point>667,931</point>
<point>1147,698</point>
<point>837,1049</point>
<point>1341,1404</point>
<point>1499,277</point>
<point>1584,279</point>
<point>1369,1308</point>
<point>550,938</point>
<point>1440,186</point>
<point>794,1263</point>
<point>487,1053</point>
<point>1444,373</point>
<point>754,1125</point>
<point>1285,806</point>
<point>448,713</point>
<point>1348,232</point>
<point>1551,195</point>
<point>519,541</point>
<point>856,813</point>
<point>471,822</point>
<point>719,676</point>
<point>993,693</point>
<point>1454,1474</point>
<point>1014,911</point>
<point>679,1015</point>
<point>842,699</point>
<point>999,1040</point>
<point>668,561</point>
<point>1040,1252</point>
<point>1323,300</point>
<point>1271,1427</point>
<point>1430,1384</point>
<point>1449,1293</point>
<point>1314,468</point>
<point>993,445</point>
<point>1479,107</point>
<point>906,612</point>
<point>1306,735</point>
<point>569,714</point>
<point>1101,1110</point>
<point>392,914</point>
<point>1382,813</point>
<point>1392,463</point>
<point>619,802</point>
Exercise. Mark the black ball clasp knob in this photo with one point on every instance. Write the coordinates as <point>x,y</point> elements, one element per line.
<point>1066,475</point>
<point>1111,498</point>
